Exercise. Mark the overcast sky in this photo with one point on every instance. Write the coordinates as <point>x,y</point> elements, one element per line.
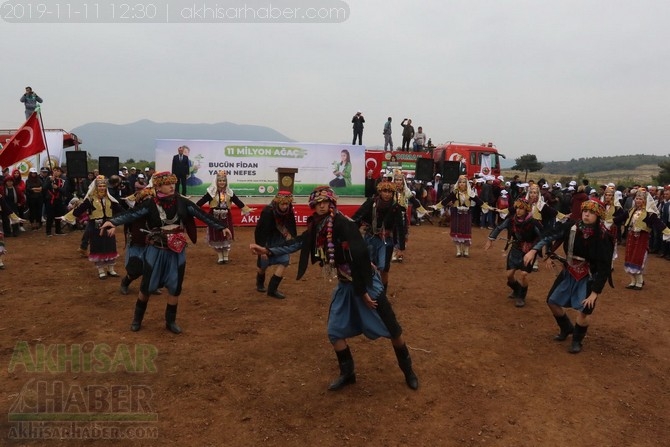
<point>558,79</point>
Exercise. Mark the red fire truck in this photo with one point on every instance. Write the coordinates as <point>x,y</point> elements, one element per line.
<point>380,161</point>
<point>471,158</point>
<point>450,159</point>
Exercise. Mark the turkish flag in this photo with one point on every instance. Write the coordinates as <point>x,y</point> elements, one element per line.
<point>27,141</point>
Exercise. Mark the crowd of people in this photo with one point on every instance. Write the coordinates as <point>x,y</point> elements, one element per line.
<point>493,201</point>
<point>44,196</point>
<point>414,140</point>
<point>535,219</point>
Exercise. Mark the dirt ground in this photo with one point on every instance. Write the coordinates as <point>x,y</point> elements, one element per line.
<point>251,370</point>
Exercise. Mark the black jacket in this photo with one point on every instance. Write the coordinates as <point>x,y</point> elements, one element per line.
<point>267,228</point>
<point>186,210</point>
<point>350,248</point>
<point>180,168</point>
<point>390,218</point>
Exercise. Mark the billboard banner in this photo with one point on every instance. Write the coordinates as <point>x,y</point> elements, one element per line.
<point>251,165</point>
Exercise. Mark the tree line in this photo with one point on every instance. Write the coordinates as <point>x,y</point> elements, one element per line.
<point>612,163</point>
<point>529,163</point>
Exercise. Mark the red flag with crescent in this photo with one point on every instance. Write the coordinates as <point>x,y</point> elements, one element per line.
<point>27,141</point>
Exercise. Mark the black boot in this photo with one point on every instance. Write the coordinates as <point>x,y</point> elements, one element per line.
<point>260,282</point>
<point>405,363</point>
<point>577,337</point>
<point>272,287</point>
<point>170,317</point>
<point>125,282</point>
<point>347,374</point>
<point>521,296</point>
<point>140,308</point>
<point>514,285</point>
<point>566,327</point>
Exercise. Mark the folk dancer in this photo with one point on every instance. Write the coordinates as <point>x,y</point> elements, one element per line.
<point>613,210</point>
<point>358,303</point>
<point>405,198</point>
<point>100,207</point>
<point>169,215</point>
<point>136,241</point>
<point>461,200</point>
<point>6,212</point>
<point>524,232</point>
<point>275,225</point>
<point>220,198</point>
<point>382,221</point>
<point>588,247</point>
<point>639,221</point>
<point>542,212</point>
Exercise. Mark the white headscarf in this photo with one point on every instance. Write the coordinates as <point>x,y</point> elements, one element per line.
<point>213,188</point>
<point>650,206</point>
<point>540,200</point>
<point>92,189</point>
<point>470,191</point>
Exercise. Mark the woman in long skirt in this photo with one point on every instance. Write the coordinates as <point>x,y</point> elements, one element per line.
<point>100,207</point>
<point>639,221</point>
<point>461,200</point>
<point>220,198</point>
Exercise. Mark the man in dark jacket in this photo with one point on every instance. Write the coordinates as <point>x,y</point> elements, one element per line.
<point>407,133</point>
<point>180,168</point>
<point>358,121</point>
<point>30,100</point>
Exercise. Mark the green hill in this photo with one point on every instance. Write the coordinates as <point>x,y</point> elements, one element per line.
<point>597,164</point>
<point>620,169</point>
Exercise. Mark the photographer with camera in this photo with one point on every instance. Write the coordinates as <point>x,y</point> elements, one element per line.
<point>358,120</point>
<point>407,133</point>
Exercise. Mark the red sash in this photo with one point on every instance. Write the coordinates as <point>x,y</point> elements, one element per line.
<point>578,269</point>
<point>176,242</point>
<point>526,246</point>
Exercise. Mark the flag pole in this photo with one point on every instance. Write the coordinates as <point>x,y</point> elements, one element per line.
<point>44,135</point>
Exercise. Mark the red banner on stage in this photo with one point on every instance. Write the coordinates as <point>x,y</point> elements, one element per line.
<point>302,212</point>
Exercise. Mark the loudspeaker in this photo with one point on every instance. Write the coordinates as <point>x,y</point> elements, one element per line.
<point>424,169</point>
<point>108,166</point>
<point>77,164</point>
<point>451,171</point>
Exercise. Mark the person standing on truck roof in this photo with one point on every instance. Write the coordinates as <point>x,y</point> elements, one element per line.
<point>388,140</point>
<point>30,100</point>
<point>407,133</point>
<point>358,121</point>
<point>419,140</point>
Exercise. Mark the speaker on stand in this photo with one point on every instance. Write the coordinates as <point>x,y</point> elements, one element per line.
<point>450,171</point>
<point>108,166</point>
<point>77,164</point>
<point>424,169</point>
